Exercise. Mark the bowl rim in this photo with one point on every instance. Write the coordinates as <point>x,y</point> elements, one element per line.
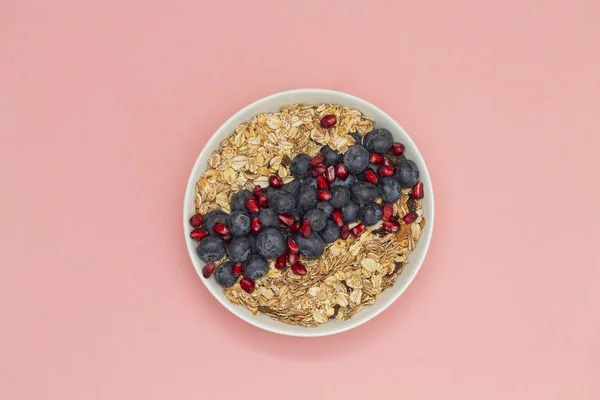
<point>197,169</point>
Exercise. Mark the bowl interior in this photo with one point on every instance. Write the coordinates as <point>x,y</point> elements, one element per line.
<point>313,96</point>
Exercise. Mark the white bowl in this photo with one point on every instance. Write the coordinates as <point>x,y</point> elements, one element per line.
<point>272,104</point>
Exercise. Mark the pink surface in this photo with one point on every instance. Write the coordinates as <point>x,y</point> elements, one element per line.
<point>105,105</point>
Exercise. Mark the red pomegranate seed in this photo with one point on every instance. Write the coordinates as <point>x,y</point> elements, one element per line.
<point>220,228</point>
<point>387,162</point>
<point>410,218</point>
<point>330,174</point>
<point>388,210</point>
<point>247,284</point>
<point>237,269</point>
<point>257,190</point>
<point>299,269</point>
<point>344,232</point>
<point>370,176</point>
<point>263,200</point>
<point>196,220</point>
<point>316,171</point>
<point>251,205</point>
<point>323,195</point>
<point>417,191</point>
<point>199,233</point>
<point>227,238</point>
<point>384,171</point>
<point>295,228</point>
<point>397,149</point>
<point>337,217</point>
<point>391,226</point>
<point>318,159</point>
<point>322,183</point>
<point>341,171</point>
<point>305,230</point>
<point>255,225</point>
<point>286,219</point>
<point>275,181</point>
<point>358,230</point>
<point>328,121</point>
<point>292,246</point>
<point>280,263</point>
<point>293,258</point>
<point>375,158</point>
<point>208,270</point>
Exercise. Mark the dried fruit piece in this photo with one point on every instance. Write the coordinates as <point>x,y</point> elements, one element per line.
<point>196,220</point>
<point>341,171</point>
<point>299,269</point>
<point>391,226</point>
<point>293,258</point>
<point>237,269</point>
<point>344,231</point>
<point>247,285</point>
<point>397,149</point>
<point>316,171</point>
<point>292,246</point>
<point>275,182</point>
<point>220,228</point>
<point>330,174</point>
<point>375,158</point>
<point>385,171</point>
<point>280,263</point>
<point>358,230</point>
<point>410,218</point>
<point>255,225</point>
<point>337,217</point>
<point>328,121</point>
<point>286,220</point>
<point>198,233</point>
<point>322,183</point>
<point>370,176</point>
<point>305,230</point>
<point>417,191</point>
<point>388,210</point>
<point>317,160</point>
<point>251,205</point>
<point>324,195</point>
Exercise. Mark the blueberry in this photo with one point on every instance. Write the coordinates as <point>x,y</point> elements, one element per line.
<point>211,249</point>
<point>332,157</point>
<point>269,190</point>
<point>224,275</point>
<point>311,247</point>
<point>255,267</point>
<point>378,140</point>
<point>300,165</point>
<point>407,173</point>
<point>317,219</point>
<point>268,218</point>
<point>270,243</point>
<point>239,249</point>
<point>212,217</point>
<point>237,200</point>
<point>356,158</point>
<point>239,223</point>
<point>307,198</point>
<point>252,240</point>
<point>282,202</point>
<point>350,212</point>
<point>325,207</point>
<point>357,137</point>
<point>340,196</point>
<point>292,186</point>
<point>389,189</point>
<point>370,214</point>
<point>331,233</point>
<point>364,192</point>
<point>345,183</point>
<point>312,182</point>
<point>297,214</point>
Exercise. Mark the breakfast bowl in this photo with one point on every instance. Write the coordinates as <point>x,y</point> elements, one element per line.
<point>360,270</point>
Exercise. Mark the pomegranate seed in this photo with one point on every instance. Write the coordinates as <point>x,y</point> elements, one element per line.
<point>237,269</point>
<point>305,230</point>
<point>397,149</point>
<point>257,190</point>
<point>196,220</point>
<point>208,270</point>
<point>410,218</point>
<point>375,158</point>
<point>387,162</point>
<point>275,181</point>
<point>330,174</point>
<point>370,176</point>
<point>295,228</point>
<point>199,233</point>
<point>299,269</point>
<point>345,232</point>
<point>316,171</point>
<point>341,171</point>
<point>318,159</point>
<point>358,230</point>
<point>247,284</point>
<point>251,205</point>
<point>280,263</point>
<point>324,195</point>
<point>417,191</point>
<point>293,258</point>
<point>388,210</point>
<point>384,170</point>
<point>227,238</point>
<point>255,225</point>
<point>263,200</point>
<point>292,246</point>
<point>322,183</point>
<point>328,121</point>
<point>391,226</point>
<point>220,228</point>
<point>337,217</point>
<point>286,219</point>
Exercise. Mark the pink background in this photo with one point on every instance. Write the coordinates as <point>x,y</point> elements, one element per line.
<point>104,106</point>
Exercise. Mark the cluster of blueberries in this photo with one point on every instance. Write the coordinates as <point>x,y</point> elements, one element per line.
<point>281,221</point>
